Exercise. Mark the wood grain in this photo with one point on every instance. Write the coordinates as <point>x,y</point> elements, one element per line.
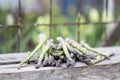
<point>105,70</point>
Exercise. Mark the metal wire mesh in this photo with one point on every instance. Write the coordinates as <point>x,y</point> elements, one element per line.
<point>19,25</point>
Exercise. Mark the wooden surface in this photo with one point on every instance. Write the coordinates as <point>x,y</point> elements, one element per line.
<point>105,70</point>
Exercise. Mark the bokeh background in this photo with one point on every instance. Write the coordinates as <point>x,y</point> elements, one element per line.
<point>37,11</point>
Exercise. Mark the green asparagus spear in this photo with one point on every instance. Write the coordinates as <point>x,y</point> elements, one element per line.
<point>73,50</point>
<point>76,45</point>
<point>43,39</point>
<point>58,53</point>
<point>91,49</point>
<point>63,44</point>
<point>50,60</point>
<point>69,63</point>
<point>99,58</point>
<point>45,62</point>
<point>43,52</point>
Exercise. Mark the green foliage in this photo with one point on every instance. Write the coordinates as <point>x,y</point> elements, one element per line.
<point>92,34</point>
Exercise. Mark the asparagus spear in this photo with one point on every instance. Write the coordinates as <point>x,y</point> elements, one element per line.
<point>43,39</point>
<point>91,49</point>
<point>76,45</point>
<point>45,62</point>
<point>50,60</point>
<point>57,53</point>
<point>98,58</point>
<point>43,52</point>
<point>69,63</point>
<point>28,62</point>
<point>73,50</point>
<point>63,44</point>
<point>56,47</point>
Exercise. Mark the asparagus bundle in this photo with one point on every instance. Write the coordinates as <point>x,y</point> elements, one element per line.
<point>67,51</point>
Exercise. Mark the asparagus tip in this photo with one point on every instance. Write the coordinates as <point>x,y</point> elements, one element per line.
<point>59,38</point>
<point>41,37</point>
<point>67,39</point>
<point>50,41</point>
<point>108,55</point>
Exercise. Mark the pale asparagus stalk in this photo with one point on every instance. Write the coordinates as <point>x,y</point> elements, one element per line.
<point>76,45</point>
<point>51,59</point>
<point>101,58</point>
<point>44,51</point>
<point>70,48</point>
<point>63,44</point>
<point>85,45</point>
<point>45,62</point>
<point>57,53</point>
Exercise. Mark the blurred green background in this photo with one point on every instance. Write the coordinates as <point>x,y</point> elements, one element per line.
<point>37,11</point>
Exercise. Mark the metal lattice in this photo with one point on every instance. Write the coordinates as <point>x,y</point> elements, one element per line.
<point>19,25</point>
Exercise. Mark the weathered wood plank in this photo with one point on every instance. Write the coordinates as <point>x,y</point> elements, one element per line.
<point>105,70</point>
<point>11,58</point>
